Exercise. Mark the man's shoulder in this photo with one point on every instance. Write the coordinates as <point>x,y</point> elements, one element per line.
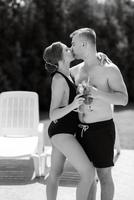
<point>110,67</point>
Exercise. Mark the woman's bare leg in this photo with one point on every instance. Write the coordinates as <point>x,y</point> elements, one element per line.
<point>69,146</point>
<point>93,190</point>
<point>57,165</point>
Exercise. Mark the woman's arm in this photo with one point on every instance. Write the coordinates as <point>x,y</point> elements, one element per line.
<point>103,58</point>
<point>58,91</point>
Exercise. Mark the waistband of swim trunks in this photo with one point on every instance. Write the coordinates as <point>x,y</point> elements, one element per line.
<point>96,124</point>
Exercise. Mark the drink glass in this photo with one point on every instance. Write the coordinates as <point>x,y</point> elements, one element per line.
<point>84,89</point>
<point>80,90</point>
<point>86,94</point>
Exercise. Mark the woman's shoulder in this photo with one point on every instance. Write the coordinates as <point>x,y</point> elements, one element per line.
<point>58,79</point>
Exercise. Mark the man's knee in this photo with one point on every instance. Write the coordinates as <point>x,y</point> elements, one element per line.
<point>105,176</point>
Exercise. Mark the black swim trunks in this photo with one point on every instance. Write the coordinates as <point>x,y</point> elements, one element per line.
<point>68,123</point>
<point>97,139</point>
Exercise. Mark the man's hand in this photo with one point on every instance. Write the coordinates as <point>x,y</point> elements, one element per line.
<point>94,92</point>
<point>117,155</point>
<point>117,146</point>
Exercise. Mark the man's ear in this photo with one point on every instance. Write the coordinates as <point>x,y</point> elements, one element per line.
<point>84,44</point>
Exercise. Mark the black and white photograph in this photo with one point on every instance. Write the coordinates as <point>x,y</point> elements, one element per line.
<point>66,99</point>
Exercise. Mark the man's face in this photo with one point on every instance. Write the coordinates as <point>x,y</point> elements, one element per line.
<point>77,47</point>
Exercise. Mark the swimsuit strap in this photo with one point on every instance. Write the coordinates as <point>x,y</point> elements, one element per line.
<point>67,79</point>
<point>71,85</point>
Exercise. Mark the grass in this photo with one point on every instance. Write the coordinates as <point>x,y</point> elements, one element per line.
<point>125,124</point>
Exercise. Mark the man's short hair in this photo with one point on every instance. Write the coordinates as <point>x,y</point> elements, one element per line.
<point>87,33</point>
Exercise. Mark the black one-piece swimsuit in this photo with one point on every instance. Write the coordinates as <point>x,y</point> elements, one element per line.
<point>68,123</point>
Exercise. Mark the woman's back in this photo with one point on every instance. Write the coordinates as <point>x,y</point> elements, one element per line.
<point>70,90</point>
<point>68,123</point>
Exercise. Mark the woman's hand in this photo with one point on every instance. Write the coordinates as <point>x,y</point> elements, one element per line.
<point>103,58</point>
<point>78,100</point>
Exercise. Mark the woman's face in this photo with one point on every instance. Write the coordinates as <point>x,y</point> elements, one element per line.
<point>67,54</point>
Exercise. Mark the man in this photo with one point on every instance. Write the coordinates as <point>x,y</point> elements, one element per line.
<point>96,131</point>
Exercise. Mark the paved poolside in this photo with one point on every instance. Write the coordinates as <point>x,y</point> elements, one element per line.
<point>123,174</point>
<point>16,183</point>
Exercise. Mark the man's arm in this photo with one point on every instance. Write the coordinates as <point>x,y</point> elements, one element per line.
<point>118,93</point>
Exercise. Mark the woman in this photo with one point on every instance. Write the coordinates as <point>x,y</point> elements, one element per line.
<point>64,122</point>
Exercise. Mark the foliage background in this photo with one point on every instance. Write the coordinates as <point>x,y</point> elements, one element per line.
<point>28,26</point>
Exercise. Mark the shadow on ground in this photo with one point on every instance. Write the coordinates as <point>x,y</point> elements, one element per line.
<point>21,172</point>
<point>14,172</point>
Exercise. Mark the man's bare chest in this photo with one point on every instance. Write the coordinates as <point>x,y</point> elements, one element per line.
<point>97,80</point>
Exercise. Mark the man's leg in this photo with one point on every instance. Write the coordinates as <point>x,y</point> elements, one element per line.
<point>106,182</point>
